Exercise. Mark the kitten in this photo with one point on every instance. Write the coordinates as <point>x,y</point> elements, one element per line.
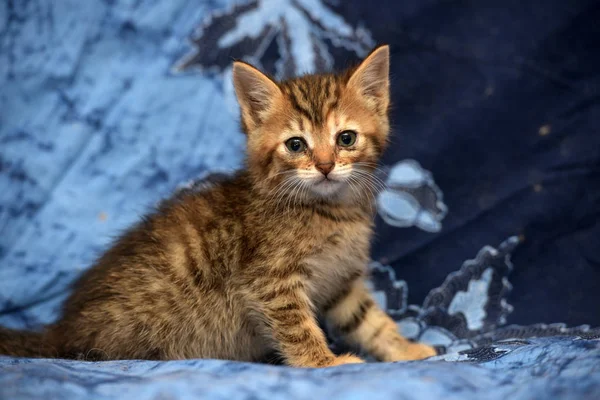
<point>241,267</point>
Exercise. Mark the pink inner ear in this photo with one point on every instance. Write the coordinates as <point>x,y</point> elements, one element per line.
<point>255,91</point>
<point>372,76</point>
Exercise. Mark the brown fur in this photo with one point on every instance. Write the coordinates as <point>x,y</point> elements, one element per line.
<point>242,268</point>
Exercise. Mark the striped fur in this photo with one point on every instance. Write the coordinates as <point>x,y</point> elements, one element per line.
<point>242,267</point>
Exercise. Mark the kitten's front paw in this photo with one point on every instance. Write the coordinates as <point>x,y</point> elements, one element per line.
<point>419,351</point>
<point>346,359</point>
<point>411,351</point>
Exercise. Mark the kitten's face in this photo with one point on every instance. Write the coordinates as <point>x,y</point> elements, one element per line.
<point>317,136</point>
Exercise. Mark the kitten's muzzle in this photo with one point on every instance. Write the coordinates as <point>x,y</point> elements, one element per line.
<point>325,168</point>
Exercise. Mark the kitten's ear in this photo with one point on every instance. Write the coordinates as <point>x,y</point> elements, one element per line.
<point>372,78</point>
<point>256,93</point>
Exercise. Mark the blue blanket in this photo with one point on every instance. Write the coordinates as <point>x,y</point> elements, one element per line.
<point>487,230</point>
<point>538,369</point>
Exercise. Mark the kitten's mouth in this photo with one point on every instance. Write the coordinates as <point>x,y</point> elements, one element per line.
<point>327,186</point>
<point>327,182</point>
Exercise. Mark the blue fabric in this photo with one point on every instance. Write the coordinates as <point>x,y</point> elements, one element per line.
<point>487,227</point>
<point>542,369</point>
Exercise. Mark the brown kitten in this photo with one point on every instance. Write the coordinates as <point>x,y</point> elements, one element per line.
<point>242,267</point>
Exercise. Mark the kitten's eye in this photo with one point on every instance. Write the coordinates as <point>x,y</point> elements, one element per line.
<point>295,145</point>
<point>346,138</point>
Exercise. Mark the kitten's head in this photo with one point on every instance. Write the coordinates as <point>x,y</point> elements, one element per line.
<point>316,136</point>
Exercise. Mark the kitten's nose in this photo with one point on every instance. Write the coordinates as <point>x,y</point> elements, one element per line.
<point>325,168</point>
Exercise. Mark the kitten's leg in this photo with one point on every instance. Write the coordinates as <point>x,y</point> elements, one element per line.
<point>358,318</point>
<point>290,320</point>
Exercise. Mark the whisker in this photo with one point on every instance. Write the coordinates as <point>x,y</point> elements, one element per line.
<point>290,200</point>
<point>370,164</point>
<point>280,189</point>
<point>372,202</point>
<point>354,190</point>
<point>370,188</point>
<point>377,183</point>
<point>367,182</point>
<point>372,175</point>
<point>279,185</point>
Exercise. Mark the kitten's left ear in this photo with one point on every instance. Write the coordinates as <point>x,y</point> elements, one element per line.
<point>372,78</point>
<point>256,94</point>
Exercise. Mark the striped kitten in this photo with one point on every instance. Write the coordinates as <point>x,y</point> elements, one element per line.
<point>241,268</point>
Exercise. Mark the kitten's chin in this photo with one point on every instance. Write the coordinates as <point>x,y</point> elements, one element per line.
<point>328,188</point>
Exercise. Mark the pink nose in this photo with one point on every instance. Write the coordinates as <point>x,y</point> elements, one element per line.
<point>325,168</point>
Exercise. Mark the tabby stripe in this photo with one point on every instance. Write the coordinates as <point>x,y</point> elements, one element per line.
<point>268,159</point>
<point>337,218</point>
<point>336,97</point>
<point>325,214</point>
<point>298,107</point>
<point>322,360</point>
<point>287,290</point>
<point>378,332</point>
<point>289,319</point>
<point>399,339</point>
<point>305,96</point>
<point>334,239</point>
<point>303,336</point>
<point>308,101</point>
<point>375,144</point>
<point>358,317</point>
<point>287,307</point>
<point>191,263</point>
<point>338,92</point>
<point>327,89</point>
<point>283,273</point>
<point>339,297</point>
<point>193,268</point>
<point>333,105</point>
<point>344,292</point>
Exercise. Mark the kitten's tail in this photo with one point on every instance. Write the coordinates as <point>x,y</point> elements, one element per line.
<point>25,344</point>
